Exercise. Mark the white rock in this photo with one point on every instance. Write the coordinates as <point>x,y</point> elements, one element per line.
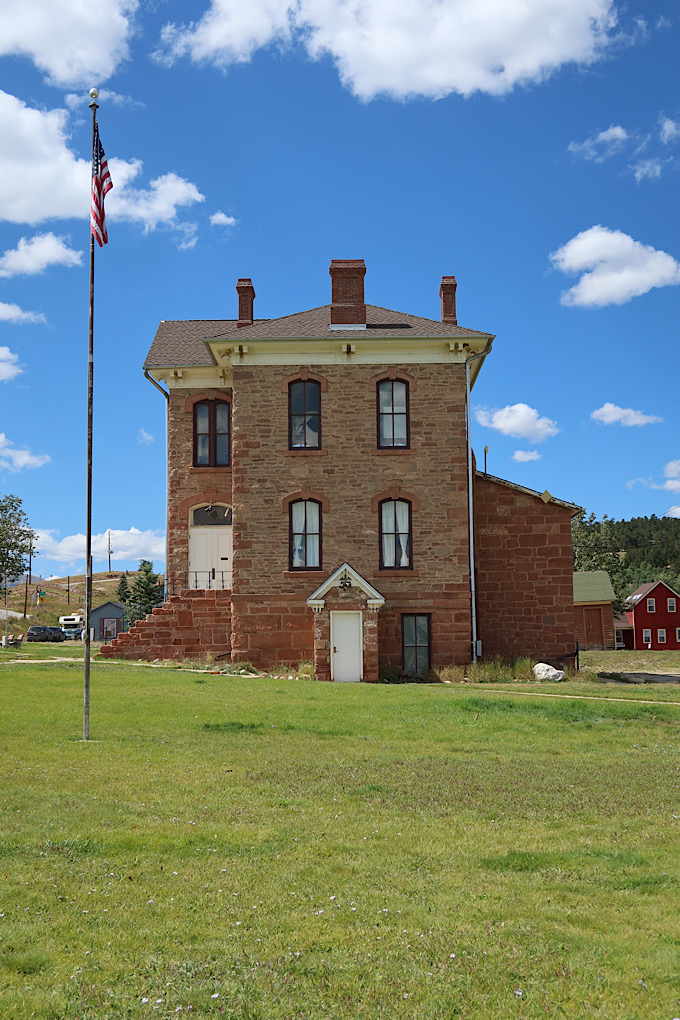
<point>542,671</point>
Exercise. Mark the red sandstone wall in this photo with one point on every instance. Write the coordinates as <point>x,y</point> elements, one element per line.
<point>349,473</point>
<point>524,574</point>
<point>189,626</point>
<point>188,485</point>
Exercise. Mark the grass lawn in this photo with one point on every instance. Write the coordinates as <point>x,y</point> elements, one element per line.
<point>260,848</point>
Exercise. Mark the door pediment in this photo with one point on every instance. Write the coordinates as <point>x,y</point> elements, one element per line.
<point>346,577</point>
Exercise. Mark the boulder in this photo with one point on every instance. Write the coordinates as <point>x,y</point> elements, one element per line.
<point>542,671</point>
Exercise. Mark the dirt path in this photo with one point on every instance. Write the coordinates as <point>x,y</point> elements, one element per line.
<point>584,697</point>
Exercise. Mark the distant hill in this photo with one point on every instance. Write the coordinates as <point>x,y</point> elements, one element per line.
<point>65,595</point>
<point>632,552</point>
<point>650,541</point>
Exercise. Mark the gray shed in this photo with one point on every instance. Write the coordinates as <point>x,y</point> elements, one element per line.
<point>108,621</point>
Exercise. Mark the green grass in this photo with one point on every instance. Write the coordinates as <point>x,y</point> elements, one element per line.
<point>265,848</point>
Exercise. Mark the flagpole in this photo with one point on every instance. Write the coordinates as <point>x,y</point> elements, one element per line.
<point>88,524</point>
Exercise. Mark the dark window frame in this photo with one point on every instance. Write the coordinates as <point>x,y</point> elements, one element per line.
<point>305,383</point>
<point>395,566</point>
<point>415,616</point>
<point>305,567</point>
<point>211,433</point>
<point>379,413</point>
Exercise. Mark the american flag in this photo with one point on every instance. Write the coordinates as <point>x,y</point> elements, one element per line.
<point>101,185</point>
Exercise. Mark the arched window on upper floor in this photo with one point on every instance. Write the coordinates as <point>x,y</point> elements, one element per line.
<point>304,415</point>
<point>212,433</point>
<point>393,414</point>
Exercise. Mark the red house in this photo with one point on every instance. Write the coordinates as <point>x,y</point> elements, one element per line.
<point>654,612</point>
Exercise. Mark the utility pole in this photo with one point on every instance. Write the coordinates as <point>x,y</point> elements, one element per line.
<point>28,578</point>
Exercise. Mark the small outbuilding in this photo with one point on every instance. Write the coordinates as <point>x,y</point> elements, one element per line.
<point>108,621</point>
<point>593,610</point>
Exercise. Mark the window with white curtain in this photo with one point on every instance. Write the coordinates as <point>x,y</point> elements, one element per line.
<point>212,429</point>
<point>304,415</point>
<point>393,416</point>
<point>305,535</point>
<point>395,534</point>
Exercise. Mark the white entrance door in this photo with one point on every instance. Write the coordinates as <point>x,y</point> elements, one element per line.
<point>347,647</point>
<point>210,557</point>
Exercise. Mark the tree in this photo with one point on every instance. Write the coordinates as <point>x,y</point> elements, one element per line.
<point>145,593</point>
<point>17,538</point>
<point>123,590</point>
<point>595,547</point>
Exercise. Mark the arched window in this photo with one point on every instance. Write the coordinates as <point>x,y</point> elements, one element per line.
<point>305,535</point>
<point>395,534</point>
<point>393,414</point>
<point>212,439</point>
<point>304,415</point>
<point>211,516</point>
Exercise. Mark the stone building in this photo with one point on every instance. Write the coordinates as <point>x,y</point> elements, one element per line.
<point>320,486</point>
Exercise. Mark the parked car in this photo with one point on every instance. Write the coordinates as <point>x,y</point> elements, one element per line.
<point>38,633</point>
<point>55,634</point>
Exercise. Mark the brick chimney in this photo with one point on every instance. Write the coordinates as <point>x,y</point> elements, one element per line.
<point>447,292</point>
<point>246,297</point>
<point>347,302</point>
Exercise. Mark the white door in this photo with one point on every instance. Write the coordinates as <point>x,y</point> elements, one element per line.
<point>347,647</point>
<point>210,557</point>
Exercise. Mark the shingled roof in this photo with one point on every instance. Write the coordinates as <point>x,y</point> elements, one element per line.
<point>179,342</point>
<point>593,586</point>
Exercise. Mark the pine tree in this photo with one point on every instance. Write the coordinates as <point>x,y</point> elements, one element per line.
<point>123,590</point>
<point>145,593</point>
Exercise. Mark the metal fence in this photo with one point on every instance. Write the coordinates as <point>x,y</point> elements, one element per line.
<point>199,580</point>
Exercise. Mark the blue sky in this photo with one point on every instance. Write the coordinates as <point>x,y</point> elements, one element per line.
<point>530,150</point>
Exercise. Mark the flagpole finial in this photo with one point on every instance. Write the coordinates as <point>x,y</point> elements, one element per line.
<point>94,94</point>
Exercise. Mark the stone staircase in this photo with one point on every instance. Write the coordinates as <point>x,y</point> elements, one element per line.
<point>189,626</point>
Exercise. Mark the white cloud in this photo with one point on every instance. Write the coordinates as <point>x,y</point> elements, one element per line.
<point>519,421</point>
<point>70,41</point>
<point>610,414</point>
<point>34,255</point>
<point>220,219</point>
<point>674,511</point>
<point>669,130</point>
<point>35,150</point>
<point>9,365</point>
<point>12,459</point>
<point>524,456</point>
<point>12,313</point>
<point>125,545</point>
<point>79,100</point>
<point>647,169</point>
<point>619,268</point>
<point>417,47</point>
<point>671,472</point>
<point>599,147</point>
<point>155,205</point>
<point>145,437</point>
<point>35,145</point>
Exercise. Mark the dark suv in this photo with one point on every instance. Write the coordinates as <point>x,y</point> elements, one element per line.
<point>55,634</point>
<point>38,633</point>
